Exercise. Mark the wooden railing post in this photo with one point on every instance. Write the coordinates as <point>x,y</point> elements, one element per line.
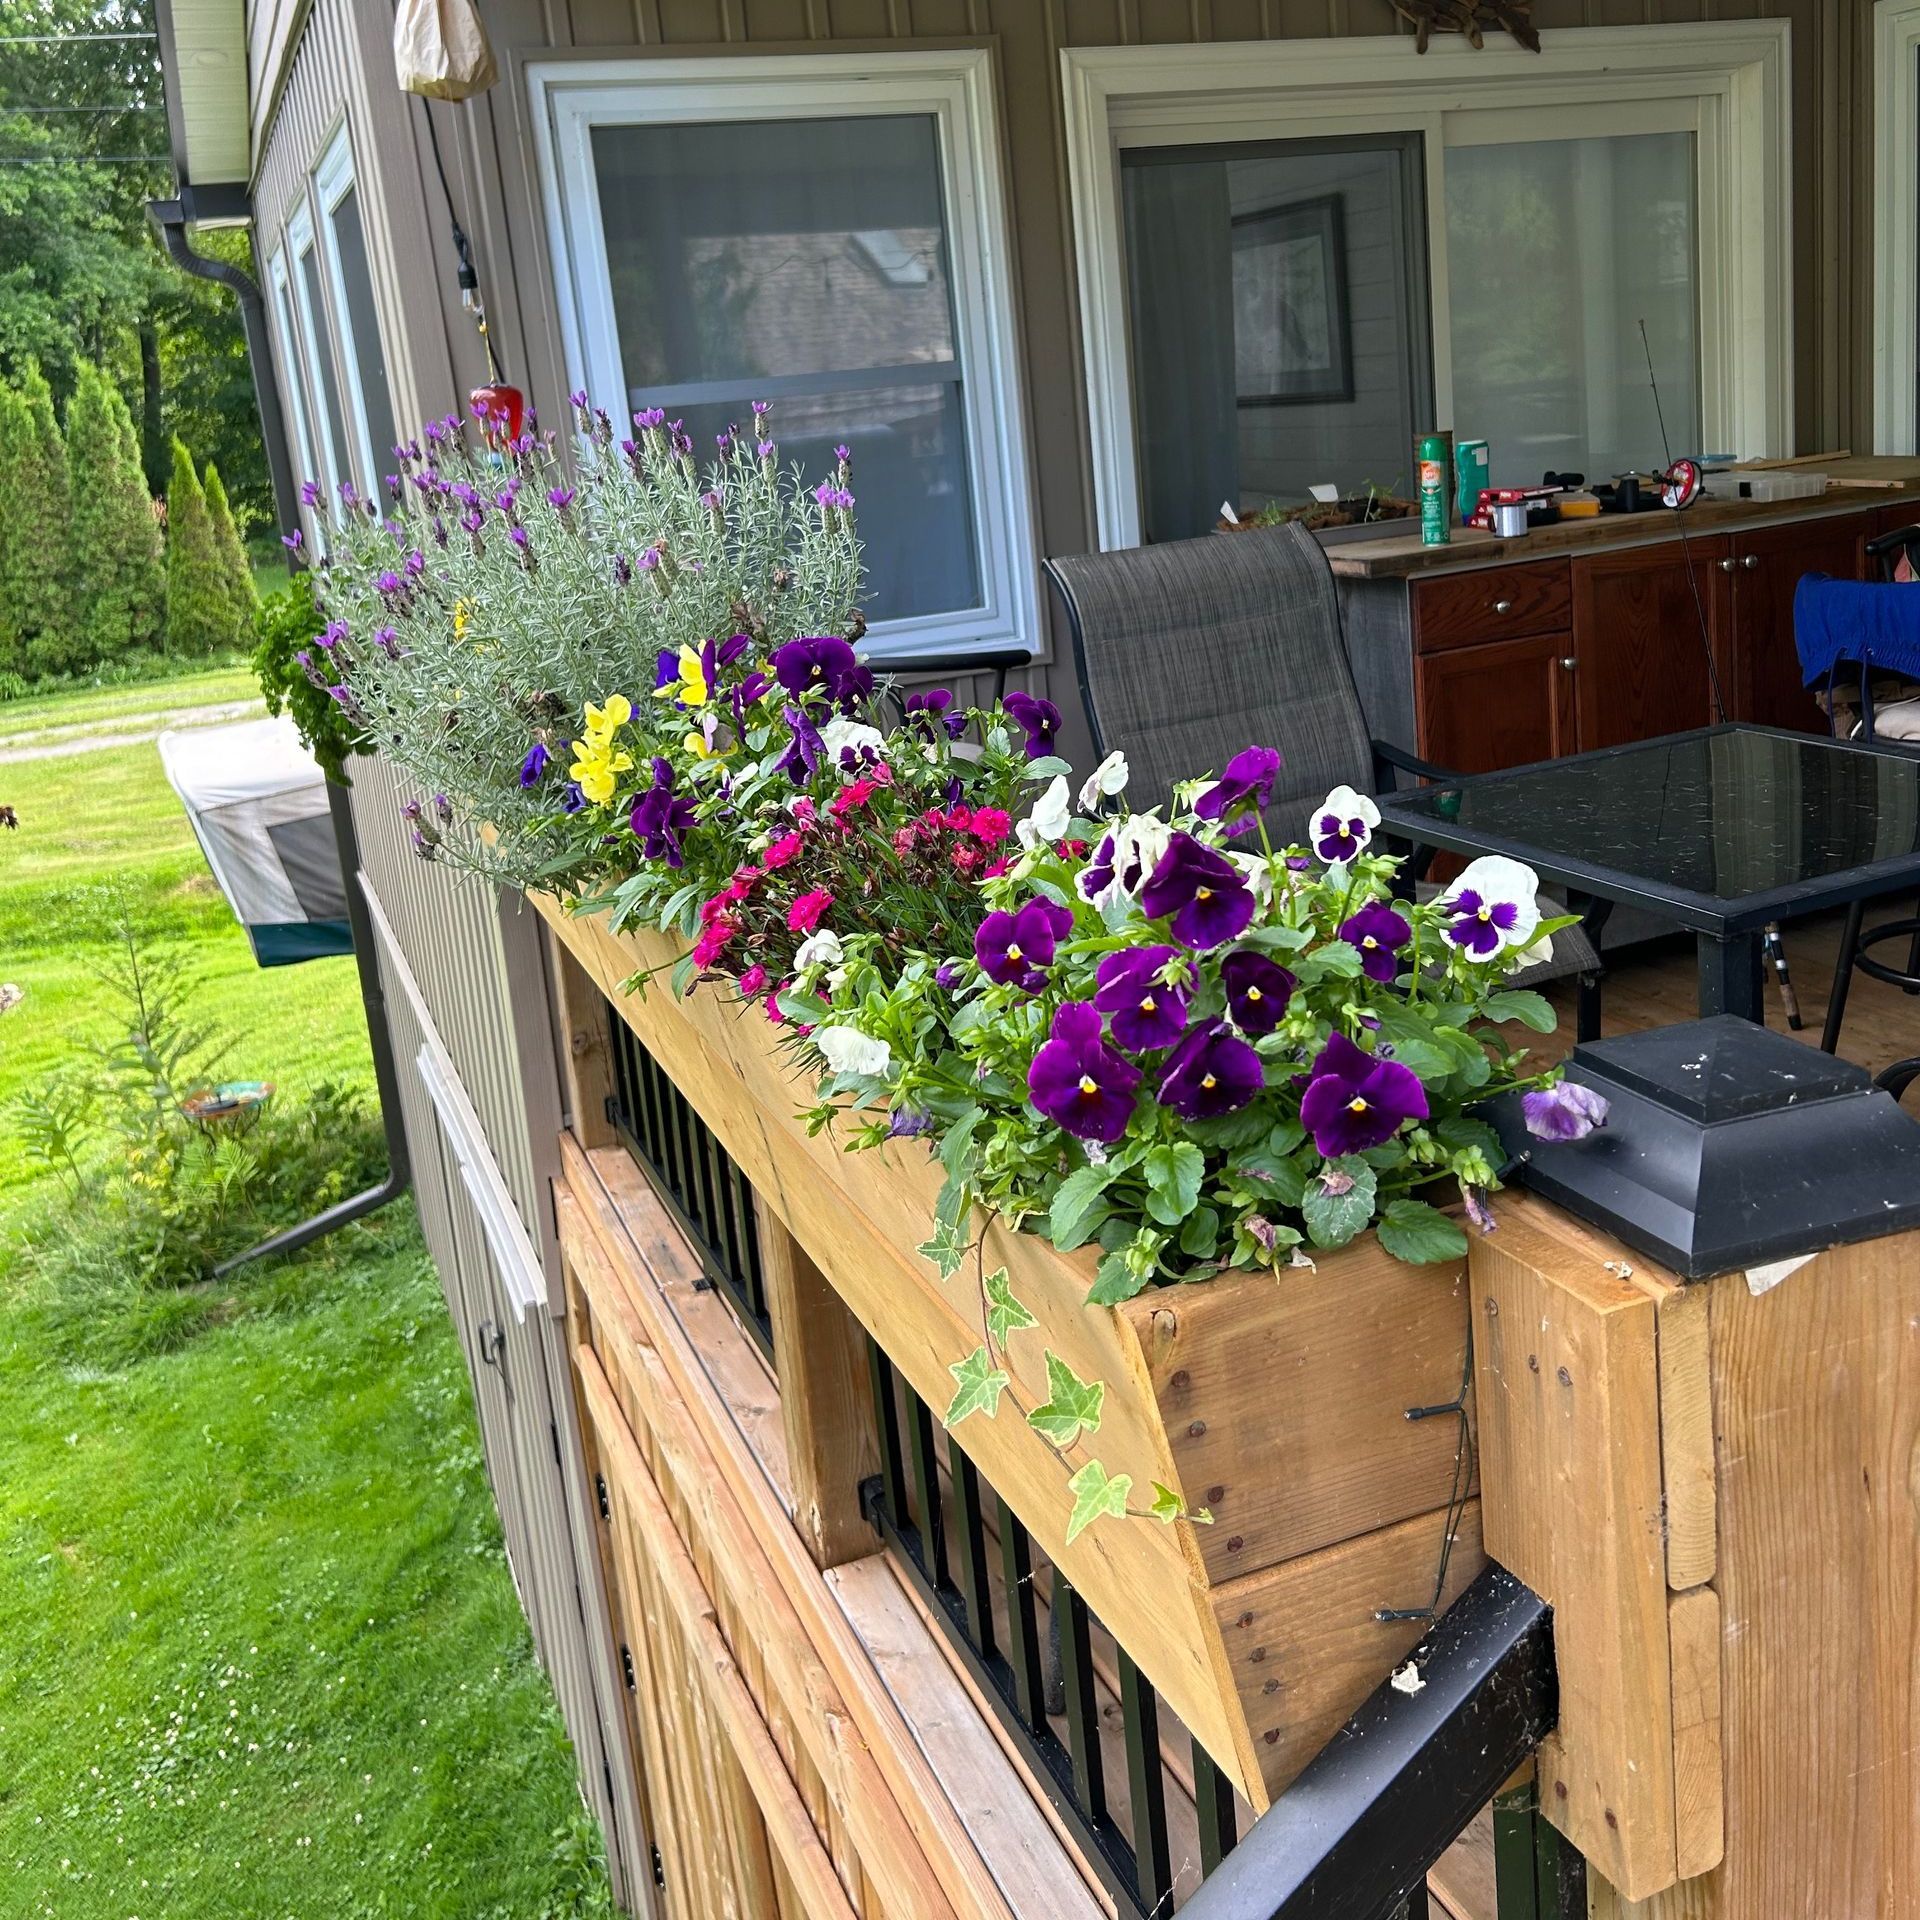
<point>825,1401</point>
<point>586,1062</point>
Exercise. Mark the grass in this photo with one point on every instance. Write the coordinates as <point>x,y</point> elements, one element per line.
<point>260,1653</point>
<point>122,707</point>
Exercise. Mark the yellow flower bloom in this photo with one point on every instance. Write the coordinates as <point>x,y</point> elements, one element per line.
<point>614,712</point>
<point>691,688</point>
<point>462,614</point>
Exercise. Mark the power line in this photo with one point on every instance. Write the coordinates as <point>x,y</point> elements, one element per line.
<point>132,106</point>
<point>66,39</point>
<point>84,160</point>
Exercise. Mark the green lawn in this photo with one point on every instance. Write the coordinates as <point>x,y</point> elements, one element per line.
<point>260,1655</point>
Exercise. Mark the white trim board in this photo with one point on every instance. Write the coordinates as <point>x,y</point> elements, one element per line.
<point>1736,74</point>
<point>1896,210</point>
<point>956,87</point>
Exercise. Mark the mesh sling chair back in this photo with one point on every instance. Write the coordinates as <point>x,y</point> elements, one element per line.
<point>1190,649</point>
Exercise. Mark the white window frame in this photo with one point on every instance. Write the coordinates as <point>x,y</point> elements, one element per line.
<point>1896,208</point>
<point>281,281</point>
<point>302,240</point>
<point>1727,82</point>
<point>331,180</point>
<point>953,85</point>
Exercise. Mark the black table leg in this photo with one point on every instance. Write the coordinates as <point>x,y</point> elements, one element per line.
<point>1593,914</point>
<point>1730,976</point>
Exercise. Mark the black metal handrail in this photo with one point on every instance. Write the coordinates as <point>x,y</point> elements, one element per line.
<point>693,1174</point>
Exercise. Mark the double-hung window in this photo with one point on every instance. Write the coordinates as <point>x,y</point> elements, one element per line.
<point>363,364</point>
<point>316,348</point>
<point>1294,260</point>
<point>287,332</point>
<point>826,233</point>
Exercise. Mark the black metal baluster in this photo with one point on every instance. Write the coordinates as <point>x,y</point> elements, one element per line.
<point>712,1197</point>
<point>1023,1618</point>
<point>886,1414</point>
<point>1213,1802</point>
<point>1147,1787</point>
<point>926,1489</point>
<point>750,1251</point>
<point>1082,1704</point>
<point>974,1587</point>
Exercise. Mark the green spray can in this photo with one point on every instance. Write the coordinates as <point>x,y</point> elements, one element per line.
<point>1435,530</point>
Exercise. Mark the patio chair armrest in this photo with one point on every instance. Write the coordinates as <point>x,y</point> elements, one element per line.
<point>1388,759</point>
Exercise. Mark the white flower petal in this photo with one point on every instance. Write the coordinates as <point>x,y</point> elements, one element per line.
<point>1050,817</point>
<point>841,732</point>
<point>821,948</point>
<point>1498,880</point>
<point>1345,805</point>
<point>1107,779</point>
<point>848,1050</point>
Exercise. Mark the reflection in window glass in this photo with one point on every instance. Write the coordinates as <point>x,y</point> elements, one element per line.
<point>1278,312</point>
<point>805,262</point>
<point>1556,251</point>
<point>326,382</point>
<point>363,321</point>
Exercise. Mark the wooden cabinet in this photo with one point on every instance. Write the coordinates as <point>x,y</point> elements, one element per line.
<point>1492,603</point>
<point>1764,568</point>
<point>1641,627</point>
<point>1502,704</point>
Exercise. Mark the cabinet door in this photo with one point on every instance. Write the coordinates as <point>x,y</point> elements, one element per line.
<point>1503,704</point>
<point>1637,637</point>
<point>1766,567</point>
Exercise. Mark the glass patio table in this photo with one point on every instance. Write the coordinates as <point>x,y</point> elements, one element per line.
<point>1724,831</point>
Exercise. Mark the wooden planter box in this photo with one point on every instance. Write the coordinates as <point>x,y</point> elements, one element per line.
<point>1281,1403</point>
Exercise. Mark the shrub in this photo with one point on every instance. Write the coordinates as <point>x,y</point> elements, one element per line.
<point>289,625</point>
<point>36,514</point>
<point>242,595</point>
<point>119,572</point>
<point>199,605</point>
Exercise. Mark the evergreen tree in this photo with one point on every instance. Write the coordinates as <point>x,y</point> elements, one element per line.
<point>118,577</point>
<point>36,509</point>
<point>16,442</point>
<point>242,595</point>
<point>199,611</point>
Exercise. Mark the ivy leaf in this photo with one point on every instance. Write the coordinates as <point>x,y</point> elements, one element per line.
<point>1530,1009</point>
<point>1071,1405</point>
<point>1167,1505</point>
<point>1336,1212</point>
<point>979,1385</point>
<point>1411,1230</point>
<point>1079,1207</point>
<point>1174,1171</point>
<point>1118,1279</point>
<point>1005,1314</point>
<point>1096,1492</point>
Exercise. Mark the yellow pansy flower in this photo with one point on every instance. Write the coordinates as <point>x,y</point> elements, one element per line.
<point>690,688</point>
<point>615,711</point>
<point>462,615</point>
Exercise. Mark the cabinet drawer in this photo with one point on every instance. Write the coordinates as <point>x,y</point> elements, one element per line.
<point>1467,609</point>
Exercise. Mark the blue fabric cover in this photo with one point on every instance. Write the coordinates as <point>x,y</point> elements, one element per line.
<point>286,943</point>
<point>1858,621</point>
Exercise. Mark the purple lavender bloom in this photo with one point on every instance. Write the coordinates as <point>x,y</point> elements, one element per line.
<point>1211,1072</point>
<point>473,520</point>
<point>411,810</point>
<point>518,535</point>
<point>313,673</point>
<point>1354,1101</point>
<point>661,818</point>
<point>650,417</point>
<point>533,768</point>
<point>822,663</point>
<point>573,800</point>
<point>761,407</point>
<point>1379,933</point>
<point>766,449</point>
<point>1078,1081</point>
<point>395,485</point>
<point>805,750</point>
<point>1016,949</point>
<point>344,700</point>
<point>1143,1010</point>
<point>1201,890</point>
<point>391,585</point>
<point>331,635</point>
<point>387,639</point>
<point>312,494</point>
<point>560,498</point>
<point>1258,991</point>
<point>444,808</point>
<point>1566,1112</point>
<point>1038,719</point>
<point>294,541</point>
<point>1243,790</point>
<point>416,564</point>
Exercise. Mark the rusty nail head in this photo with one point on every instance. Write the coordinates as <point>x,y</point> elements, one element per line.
<point>1235,1542</point>
<point>1533,1363</point>
<point>1196,1429</point>
<point>1179,1378</point>
<point>1245,1620</point>
<point>1270,1686</point>
<point>1271,1736</point>
<point>1215,1495</point>
<point>1613,1819</point>
<point>1259,1653</point>
<point>1560,1789</point>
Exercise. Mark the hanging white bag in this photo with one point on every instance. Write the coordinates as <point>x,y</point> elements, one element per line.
<point>441,49</point>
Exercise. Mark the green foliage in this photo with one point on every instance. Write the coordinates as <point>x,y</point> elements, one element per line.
<point>36,534</point>
<point>200,618</point>
<point>978,1385</point>
<point>288,624</point>
<point>1072,1405</point>
<point>1096,1493</point>
<point>119,573</point>
<point>242,595</point>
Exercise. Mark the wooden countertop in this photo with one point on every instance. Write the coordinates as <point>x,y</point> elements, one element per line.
<point>1400,557</point>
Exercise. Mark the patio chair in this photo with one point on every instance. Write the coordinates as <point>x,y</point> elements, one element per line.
<point>1189,649</point>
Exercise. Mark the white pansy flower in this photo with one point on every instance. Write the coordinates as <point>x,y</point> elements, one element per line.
<point>848,1050</point>
<point>1050,817</point>
<point>820,948</point>
<point>1494,907</point>
<point>1340,827</point>
<point>840,733</point>
<point>1107,779</point>
<point>1257,871</point>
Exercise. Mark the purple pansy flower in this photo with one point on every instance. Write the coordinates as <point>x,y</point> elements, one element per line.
<point>1078,1081</point>
<point>661,818</point>
<point>821,663</point>
<point>1211,1072</point>
<point>534,766</point>
<point>805,750</point>
<point>949,974</point>
<point>1243,790</point>
<point>1203,892</point>
<point>906,1122</point>
<point>1258,990</point>
<point>1015,949</point>
<point>1494,905</point>
<point>1142,1009</point>
<point>929,714</point>
<point>1038,719</point>
<point>1379,933</point>
<point>1342,825</point>
<point>1354,1100</point>
<point>1566,1112</point>
<point>573,800</point>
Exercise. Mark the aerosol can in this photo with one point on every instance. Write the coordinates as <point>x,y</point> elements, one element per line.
<point>1434,478</point>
